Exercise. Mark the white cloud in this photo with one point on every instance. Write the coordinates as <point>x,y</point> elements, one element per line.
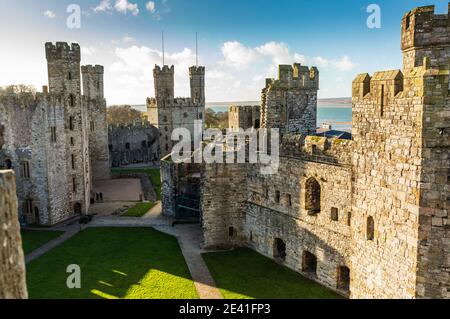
<point>88,50</point>
<point>238,56</point>
<point>127,39</point>
<point>123,6</point>
<point>104,5</point>
<point>344,64</point>
<point>321,62</point>
<point>150,6</point>
<point>49,14</point>
<point>132,71</point>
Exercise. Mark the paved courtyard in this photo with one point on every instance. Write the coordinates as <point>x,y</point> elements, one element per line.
<point>126,189</point>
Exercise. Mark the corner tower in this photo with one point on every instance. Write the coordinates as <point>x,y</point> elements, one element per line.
<point>197,79</point>
<point>290,102</point>
<point>93,97</point>
<point>164,82</point>
<point>401,172</point>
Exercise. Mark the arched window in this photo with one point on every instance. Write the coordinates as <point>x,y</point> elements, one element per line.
<point>69,75</point>
<point>312,196</point>
<point>370,232</point>
<point>127,146</point>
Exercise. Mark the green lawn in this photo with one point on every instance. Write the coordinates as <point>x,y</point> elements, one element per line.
<point>245,274</point>
<point>154,175</point>
<point>139,210</point>
<point>115,263</point>
<point>33,239</point>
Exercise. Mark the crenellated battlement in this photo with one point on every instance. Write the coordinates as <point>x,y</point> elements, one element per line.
<point>174,102</point>
<point>422,27</point>
<point>387,83</point>
<point>296,76</point>
<point>27,99</point>
<point>164,69</point>
<point>317,148</point>
<point>199,70</point>
<point>130,126</point>
<point>62,50</point>
<point>97,69</point>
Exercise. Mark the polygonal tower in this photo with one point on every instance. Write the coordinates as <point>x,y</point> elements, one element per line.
<point>64,78</point>
<point>98,126</point>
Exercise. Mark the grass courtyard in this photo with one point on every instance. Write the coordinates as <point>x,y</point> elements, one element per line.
<point>33,239</point>
<point>139,210</point>
<point>245,274</point>
<point>115,263</point>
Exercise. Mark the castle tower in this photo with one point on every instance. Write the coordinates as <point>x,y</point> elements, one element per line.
<point>424,34</point>
<point>64,77</point>
<point>167,113</point>
<point>164,82</point>
<point>290,103</point>
<point>93,92</point>
<point>63,63</point>
<point>401,127</point>
<point>93,81</point>
<point>197,79</point>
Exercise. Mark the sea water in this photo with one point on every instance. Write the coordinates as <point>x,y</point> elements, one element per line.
<point>339,116</point>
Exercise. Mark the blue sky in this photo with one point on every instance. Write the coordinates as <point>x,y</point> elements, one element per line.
<point>240,41</point>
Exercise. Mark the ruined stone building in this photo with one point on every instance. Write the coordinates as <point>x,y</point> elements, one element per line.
<point>167,112</point>
<point>56,141</point>
<point>244,117</point>
<point>133,143</point>
<point>366,216</point>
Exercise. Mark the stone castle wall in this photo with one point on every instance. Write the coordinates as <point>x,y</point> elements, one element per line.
<point>12,263</point>
<point>244,117</point>
<point>49,136</point>
<point>133,143</point>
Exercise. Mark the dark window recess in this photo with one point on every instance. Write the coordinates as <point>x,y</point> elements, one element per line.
<point>309,263</point>
<point>279,249</point>
<point>343,278</point>
<point>370,228</point>
<point>277,196</point>
<point>312,196</point>
<point>334,214</point>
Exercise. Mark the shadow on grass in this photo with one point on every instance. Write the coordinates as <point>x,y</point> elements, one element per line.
<point>243,273</point>
<point>33,239</point>
<point>115,263</point>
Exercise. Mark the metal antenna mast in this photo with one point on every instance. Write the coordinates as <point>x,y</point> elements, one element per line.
<point>196,49</point>
<point>163,53</point>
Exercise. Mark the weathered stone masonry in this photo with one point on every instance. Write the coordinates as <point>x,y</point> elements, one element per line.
<point>368,216</point>
<point>51,142</point>
<point>167,112</point>
<point>12,264</point>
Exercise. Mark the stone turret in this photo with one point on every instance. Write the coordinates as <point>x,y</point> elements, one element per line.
<point>197,79</point>
<point>93,81</point>
<point>63,61</point>
<point>290,102</point>
<point>164,82</point>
